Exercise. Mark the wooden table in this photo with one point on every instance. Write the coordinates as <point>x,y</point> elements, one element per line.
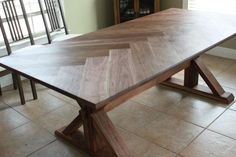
<point>101,70</point>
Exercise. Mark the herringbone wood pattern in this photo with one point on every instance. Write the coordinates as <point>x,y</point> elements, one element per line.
<point>99,65</point>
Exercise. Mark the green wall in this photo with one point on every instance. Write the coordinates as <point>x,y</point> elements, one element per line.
<point>85,16</point>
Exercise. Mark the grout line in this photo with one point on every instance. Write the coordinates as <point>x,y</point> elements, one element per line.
<point>177,118</point>
<point>146,140</point>
<point>168,114</point>
<point>206,128</point>
<point>40,148</point>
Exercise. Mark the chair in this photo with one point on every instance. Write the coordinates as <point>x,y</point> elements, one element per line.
<point>55,19</point>
<point>17,33</point>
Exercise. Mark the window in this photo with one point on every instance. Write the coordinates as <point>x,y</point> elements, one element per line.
<point>222,6</point>
<point>34,17</point>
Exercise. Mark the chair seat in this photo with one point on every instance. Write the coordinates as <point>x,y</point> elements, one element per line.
<point>65,37</point>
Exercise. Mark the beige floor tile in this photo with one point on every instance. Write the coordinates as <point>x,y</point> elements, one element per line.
<point>132,115</point>
<point>143,148</point>
<point>228,76</point>
<point>210,144</point>
<point>160,98</point>
<point>199,111</point>
<point>233,91</point>
<point>63,97</point>
<point>44,104</point>
<point>27,87</point>
<point>59,149</point>
<point>12,97</point>
<point>179,75</point>
<point>58,118</point>
<point>216,64</point>
<point>226,124</point>
<point>169,132</point>
<point>3,106</point>
<point>67,111</point>
<point>24,140</point>
<point>10,119</point>
<point>233,107</point>
<point>226,83</point>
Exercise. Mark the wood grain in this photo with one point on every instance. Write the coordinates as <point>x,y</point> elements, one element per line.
<point>85,68</point>
<point>103,69</point>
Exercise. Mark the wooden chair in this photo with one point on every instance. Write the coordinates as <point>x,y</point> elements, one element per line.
<point>54,20</point>
<point>17,33</point>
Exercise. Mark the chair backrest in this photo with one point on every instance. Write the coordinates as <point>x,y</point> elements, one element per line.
<point>14,24</point>
<point>5,37</point>
<point>56,18</point>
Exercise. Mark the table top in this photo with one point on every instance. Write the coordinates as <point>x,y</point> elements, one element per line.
<point>98,66</point>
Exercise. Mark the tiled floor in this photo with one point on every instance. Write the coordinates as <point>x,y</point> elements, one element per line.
<point>164,122</point>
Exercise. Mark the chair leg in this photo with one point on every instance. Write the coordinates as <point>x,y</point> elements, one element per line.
<point>33,88</point>
<point>20,89</point>
<point>0,90</point>
<point>14,81</point>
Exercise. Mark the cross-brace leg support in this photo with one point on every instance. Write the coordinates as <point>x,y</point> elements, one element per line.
<point>99,137</point>
<point>190,83</point>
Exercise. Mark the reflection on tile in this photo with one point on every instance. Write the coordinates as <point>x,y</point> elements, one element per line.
<point>58,118</point>
<point>195,110</point>
<point>3,106</point>
<point>132,115</point>
<point>217,64</point>
<point>24,140</point>
<point>228,76</point>
<point>10,119</point>
<point>63,97</point>
<point>169,132</point>
<point>160,98</point>
<point>179,75</point>
<point>59,149</point>
<point>143,148</point>
<point>226,124</point>
<point>12,97</point>
<point>210,144</point>
<point>39,107</point>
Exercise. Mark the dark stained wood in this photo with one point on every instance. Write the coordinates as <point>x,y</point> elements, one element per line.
<point>200,90</point>
<point>108,130</point>
<point>14,81</point>
<point>215,90</point>
<point>191,76</point>
<point>77,139</point>
<point>20,88</point>
<point>73,126</point>
<point>124,96</point>
<point>103,69</point>
<point>209,78</point>
<point>33,88</point>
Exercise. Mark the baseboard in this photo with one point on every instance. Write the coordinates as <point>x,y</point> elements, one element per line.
<point>223,52</point>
